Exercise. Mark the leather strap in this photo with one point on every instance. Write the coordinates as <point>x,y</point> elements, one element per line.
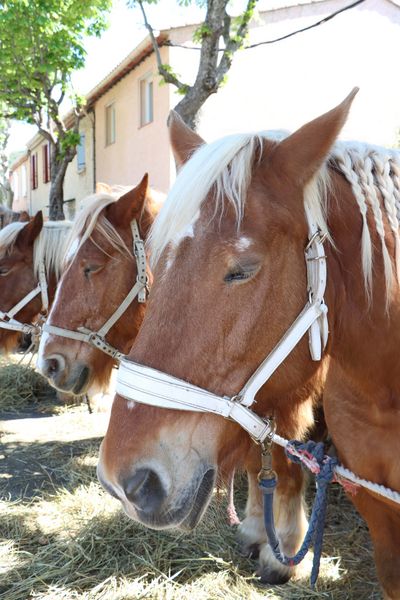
<point>275,358</point>
<point>149,386</point>
<point>139,290</point>
<point>7,320</point>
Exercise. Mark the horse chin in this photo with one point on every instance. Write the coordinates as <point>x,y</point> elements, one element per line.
<point>201,501</point>
<point>77,385</point>
<point>188,515</point>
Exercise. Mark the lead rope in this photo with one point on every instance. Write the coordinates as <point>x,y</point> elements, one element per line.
<point>326,470</point>
<point>268,481</point>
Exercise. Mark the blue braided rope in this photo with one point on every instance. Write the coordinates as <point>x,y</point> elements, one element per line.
<point>317,519</point>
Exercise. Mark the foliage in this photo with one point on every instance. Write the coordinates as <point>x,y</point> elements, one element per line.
<point>41,44</point>
<point>201,32</point>
<point>5,188</point>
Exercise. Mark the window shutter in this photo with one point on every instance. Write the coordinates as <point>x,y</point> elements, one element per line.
<point>36,170</point>
<point>33,171</point>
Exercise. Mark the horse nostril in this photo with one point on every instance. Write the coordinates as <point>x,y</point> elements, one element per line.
<point>53,365</point>
<point>145,490</point>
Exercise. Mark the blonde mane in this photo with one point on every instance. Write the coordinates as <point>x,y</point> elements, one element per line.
<point>8,236</point>
<point>89,219</point>
<point>226,166</point>
<point>48,248</point>
<point>374,175</point>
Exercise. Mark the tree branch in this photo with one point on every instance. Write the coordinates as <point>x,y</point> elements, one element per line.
<point>166,74</point>
<point>236,42</point>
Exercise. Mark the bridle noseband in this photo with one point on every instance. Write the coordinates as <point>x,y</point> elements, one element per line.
<point>139,290</point>
<point>150,386</point>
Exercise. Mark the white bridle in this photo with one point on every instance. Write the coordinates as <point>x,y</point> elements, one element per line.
<point>97,338</point>
<point>8,320</point>
<point>150,386</point>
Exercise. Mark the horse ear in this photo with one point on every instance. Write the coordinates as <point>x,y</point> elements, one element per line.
<point>301,154</point>
<point>23,217</point>
<point>30,232</point>
<point>184,141</point>
<point>130,205</point>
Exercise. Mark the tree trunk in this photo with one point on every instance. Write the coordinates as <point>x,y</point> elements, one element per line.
<point>189,107</point>
<point>56,196</point>
<point>9,195</point>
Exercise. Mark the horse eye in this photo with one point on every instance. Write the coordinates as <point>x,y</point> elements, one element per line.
<point>88,269</point>
<point>238,275</point>
<point>4,271</point>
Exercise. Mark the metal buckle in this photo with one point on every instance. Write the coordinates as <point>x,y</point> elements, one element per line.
<point>318,236</point>
<point>267,471</point>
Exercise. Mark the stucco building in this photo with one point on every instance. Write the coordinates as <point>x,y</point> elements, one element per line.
<point>273,85</point>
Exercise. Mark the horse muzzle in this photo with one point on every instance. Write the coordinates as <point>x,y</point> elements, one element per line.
<point>144,497</point>
<point>72,380</point>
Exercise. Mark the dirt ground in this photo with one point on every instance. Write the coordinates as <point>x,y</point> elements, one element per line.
<point>33,447</point>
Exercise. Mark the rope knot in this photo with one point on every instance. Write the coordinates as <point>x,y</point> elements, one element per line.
<point>311,454</point>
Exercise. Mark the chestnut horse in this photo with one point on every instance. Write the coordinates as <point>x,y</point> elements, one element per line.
<point>228,246</point>
<point>101,270</point>
<point>8,216</point>
<point>30,258</point>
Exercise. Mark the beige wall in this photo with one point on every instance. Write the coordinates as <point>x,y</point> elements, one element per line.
<point>275,86</point>
<point>136,149</point>
<point>77,184</point>
<point>282,85</point>
<point>39,197</point>
<point>20,185</point>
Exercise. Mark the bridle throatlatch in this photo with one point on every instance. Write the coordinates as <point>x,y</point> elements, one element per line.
<point>8,318</point>
<point>139,290</point>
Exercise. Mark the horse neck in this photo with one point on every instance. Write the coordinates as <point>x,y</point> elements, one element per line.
<point>365,334</point>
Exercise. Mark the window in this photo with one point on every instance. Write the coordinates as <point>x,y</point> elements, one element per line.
<point>24,181</point>
<point>146,100</point>
<point>81,154</point>
<point>110,124</point>
<point>46,163</point>
<point>15,187</point>
<point>34,170</point>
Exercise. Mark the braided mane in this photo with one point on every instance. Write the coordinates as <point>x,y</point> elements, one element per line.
<point>374,175</point>
<point>226,165</point>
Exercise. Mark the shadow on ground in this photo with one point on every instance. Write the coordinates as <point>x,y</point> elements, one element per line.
<point>29,469</point>
<point>66,539</point>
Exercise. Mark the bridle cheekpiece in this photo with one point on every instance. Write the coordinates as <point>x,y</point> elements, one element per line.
<point>139,290</point>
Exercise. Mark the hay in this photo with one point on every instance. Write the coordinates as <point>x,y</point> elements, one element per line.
<point>73,542</point>
<point>66,539</point>
<point>21,387</point>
